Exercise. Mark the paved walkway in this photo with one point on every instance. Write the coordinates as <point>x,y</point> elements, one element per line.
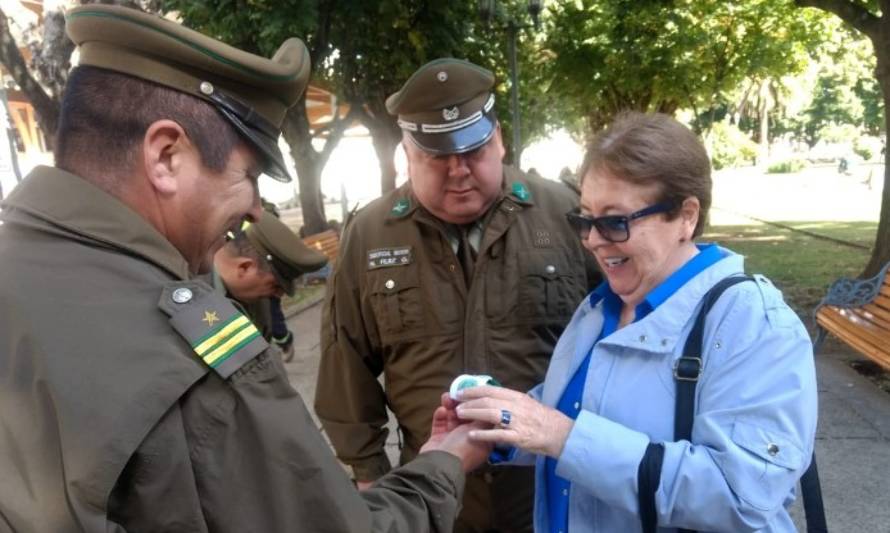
<point>853,441</point>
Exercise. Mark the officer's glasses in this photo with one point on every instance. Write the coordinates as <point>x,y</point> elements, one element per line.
<point>613,228</point>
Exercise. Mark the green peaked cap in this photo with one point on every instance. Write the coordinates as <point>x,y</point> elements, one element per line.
<point>251,92</point>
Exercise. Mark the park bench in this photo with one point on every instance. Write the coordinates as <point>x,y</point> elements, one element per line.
<point>328,243</point>
<point>858,313</point>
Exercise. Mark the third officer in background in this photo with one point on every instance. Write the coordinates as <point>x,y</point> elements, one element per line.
<point>258,266</point>
<point>470,267</point>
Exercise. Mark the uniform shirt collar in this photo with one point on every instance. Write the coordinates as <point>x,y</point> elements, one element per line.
<point>73,205</point>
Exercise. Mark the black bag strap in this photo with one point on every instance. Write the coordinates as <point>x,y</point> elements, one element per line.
<point>686,373</point>
<point>688,368</point>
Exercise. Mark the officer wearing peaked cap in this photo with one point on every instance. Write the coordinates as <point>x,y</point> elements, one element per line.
<point>259,265</point>
<point>134,396</point>
<point>470,267</point>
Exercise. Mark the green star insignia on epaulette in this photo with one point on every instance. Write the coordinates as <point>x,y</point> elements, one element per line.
<point>401,207</point>
<point>520,191</point>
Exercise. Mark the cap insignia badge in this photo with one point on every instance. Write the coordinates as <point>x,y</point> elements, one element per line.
<point>451,114</point>
<point>442,76</point>
<point>400,207</point>
<point>519,191</point>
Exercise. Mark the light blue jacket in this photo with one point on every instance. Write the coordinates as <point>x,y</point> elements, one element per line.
<point>757,389</point>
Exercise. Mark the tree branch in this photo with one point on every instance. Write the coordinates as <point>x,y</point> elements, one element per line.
<point>855,15</point>
<point>337,130</point>
<point>47,108</point>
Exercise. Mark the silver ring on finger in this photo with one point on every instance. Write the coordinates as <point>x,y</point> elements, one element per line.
<point>506,417</point>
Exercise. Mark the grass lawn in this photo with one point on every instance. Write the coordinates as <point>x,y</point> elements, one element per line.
<point>801,265</point>
<point>302,295</point>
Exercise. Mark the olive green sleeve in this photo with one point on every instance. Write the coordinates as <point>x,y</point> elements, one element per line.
<point>435,475</point>
<point>260,464</point>
<point>349,399</point>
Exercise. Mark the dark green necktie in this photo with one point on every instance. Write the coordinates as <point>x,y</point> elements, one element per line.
<point>466,255</point>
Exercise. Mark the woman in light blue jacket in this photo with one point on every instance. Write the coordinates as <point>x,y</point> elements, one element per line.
<point>601,426</point>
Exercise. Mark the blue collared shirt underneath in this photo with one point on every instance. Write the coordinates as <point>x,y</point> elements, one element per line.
<point>569,404</point>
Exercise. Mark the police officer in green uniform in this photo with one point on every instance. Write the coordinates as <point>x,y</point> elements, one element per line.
<point>258,265</point>
<point>133,397</point>
<point>470,267</point>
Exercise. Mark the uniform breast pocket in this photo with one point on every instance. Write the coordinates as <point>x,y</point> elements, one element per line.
<point>550,287</point>
<point>397,301</point>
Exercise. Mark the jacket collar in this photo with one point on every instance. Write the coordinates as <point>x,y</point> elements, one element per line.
<point>666,325</point>
<point>69,204</point>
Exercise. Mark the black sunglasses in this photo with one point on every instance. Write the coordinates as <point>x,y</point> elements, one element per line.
<point>613,228</point>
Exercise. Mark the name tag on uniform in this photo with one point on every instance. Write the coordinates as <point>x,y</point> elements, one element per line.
<point>388,257</point>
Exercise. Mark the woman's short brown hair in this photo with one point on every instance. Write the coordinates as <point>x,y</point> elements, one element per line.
<point>648,149</point>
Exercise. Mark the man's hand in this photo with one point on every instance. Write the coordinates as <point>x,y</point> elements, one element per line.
<point>450,434</point>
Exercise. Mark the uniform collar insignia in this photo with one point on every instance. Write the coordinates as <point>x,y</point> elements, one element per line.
<point>520,191</point>
<point>400,207</point>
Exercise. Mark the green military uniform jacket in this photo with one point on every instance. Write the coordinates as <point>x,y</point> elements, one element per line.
<point>111,422</point>
<point>397,304</point>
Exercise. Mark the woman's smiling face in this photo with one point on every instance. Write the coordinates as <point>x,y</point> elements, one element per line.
<point>658,244</point>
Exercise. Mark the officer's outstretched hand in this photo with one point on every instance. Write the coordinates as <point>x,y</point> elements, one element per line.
<point>451,434</point>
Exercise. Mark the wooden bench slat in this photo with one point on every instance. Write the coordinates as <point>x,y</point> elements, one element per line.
<point>876,353</point>
<point>850,320</point>
<point>882,302</point>
<point>850,325</point>
<point>326,242</point>
<point>876,320</point>
<point>865,328</point>
<point>866,348</point>
<point>881,312</point>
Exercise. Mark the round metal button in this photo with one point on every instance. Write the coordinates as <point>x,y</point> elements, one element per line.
<point>772,449</point>
<point>577,405</point>
<point>550,269</point>
<point>182,295</point>
<point>389,284</point>
<point>206,87</point>
<point>442,76</point>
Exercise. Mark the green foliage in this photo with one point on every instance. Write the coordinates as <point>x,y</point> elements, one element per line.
<point>868,147</point>
<point>845,90</point>
<point>786,167</point>
<point>607,56</point>
<point>838,133</point>
<point>729,146</point>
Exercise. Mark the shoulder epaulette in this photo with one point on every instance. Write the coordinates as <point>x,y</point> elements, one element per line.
<point>219,334</point>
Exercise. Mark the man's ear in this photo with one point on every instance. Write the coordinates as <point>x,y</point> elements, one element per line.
<point>166,154</point>
<point>245,266</point>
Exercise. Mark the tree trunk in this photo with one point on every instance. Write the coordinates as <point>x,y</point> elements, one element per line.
<point>296,132</point>
<point>385,135</point>
<point>763,110</point>
<point>880,253</point>
<point>45,106</point>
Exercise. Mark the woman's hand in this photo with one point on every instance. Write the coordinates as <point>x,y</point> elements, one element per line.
<point>532,426</point>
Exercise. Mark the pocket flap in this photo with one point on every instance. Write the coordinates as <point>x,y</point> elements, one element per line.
<point>771,446</point>
<point>392,280</point>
